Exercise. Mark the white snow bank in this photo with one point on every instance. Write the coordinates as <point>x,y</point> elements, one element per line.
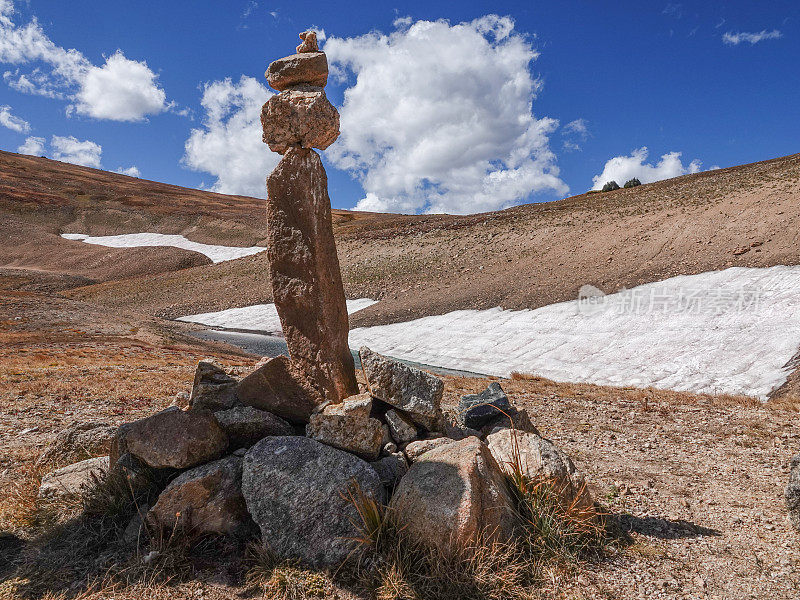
<point>259,317</point>
<point>134,240</point>
<point>728,331</point>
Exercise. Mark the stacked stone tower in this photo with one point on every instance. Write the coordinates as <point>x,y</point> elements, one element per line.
<point>306,280</point>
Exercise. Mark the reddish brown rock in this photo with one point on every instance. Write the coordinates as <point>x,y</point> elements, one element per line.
<point>172,438</point>
<point>309,67</point>
<point>205,499</point>
<point>455,496</point>
<point>306,281</point>
<point>302,117</point>
<point>309,43</point>
<point>277,387</point>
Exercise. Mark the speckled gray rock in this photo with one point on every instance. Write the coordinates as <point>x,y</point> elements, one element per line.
<point>391,468</point>
<point>213,389</point>
<point>78,441</point>
<point>205,499</point>
<point>359,405</point>
<point>416,449</point>
<point>74,480</point>
<point>245,425</point>
<point>294,487</point>
<point>173,439</point>
<point>401,427</point>
<point>541,459</point>
<point>358,435</point>
<point>416,392</point>
<point>792,493</point>
<point>475,410</point>
<point>455,496</point>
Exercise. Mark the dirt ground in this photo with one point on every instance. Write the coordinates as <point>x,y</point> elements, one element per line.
<point>696,480</point>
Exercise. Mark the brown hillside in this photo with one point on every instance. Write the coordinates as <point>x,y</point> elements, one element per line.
<point>523,257</point>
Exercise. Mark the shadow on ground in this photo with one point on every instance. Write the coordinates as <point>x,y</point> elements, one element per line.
<point>664,529</point>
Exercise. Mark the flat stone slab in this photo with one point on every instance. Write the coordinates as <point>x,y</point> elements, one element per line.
<point>310,68</point>
<point>412,390</point>
<point>74,480</point>
<point>363,437</point>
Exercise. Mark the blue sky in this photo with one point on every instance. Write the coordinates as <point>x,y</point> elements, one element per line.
<point>453,130</point>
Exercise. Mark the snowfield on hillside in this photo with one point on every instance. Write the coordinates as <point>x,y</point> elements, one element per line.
<point>259,317</point>
<point>731,331</point>
<point>134,240</point>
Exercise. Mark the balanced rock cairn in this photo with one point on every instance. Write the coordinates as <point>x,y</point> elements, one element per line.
<point>306,280</point>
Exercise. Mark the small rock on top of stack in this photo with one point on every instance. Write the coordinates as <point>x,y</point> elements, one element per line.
<point>301,115</point>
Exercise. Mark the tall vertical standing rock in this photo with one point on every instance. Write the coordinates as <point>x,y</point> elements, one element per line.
<point>306,280</point>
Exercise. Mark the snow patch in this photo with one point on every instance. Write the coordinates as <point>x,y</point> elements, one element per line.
<point>135,240</point>
<point>731,331</point>
<point>259,317</point>
<point>723,332</point>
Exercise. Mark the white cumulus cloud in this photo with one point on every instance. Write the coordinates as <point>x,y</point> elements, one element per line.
<point>33,146</point>
<point>229,145</point>
<point>734,39</point>
<point>623,168</point>
<point>130,171</point>
<point>120,90</point>
<point>440,117</point>
<point>13,122</point>
<point>72,150</point>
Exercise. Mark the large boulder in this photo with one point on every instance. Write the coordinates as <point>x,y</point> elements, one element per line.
<point>245,425</point>
<point>307,67</point>
<point>74,480</point>
<point>306,280</point>
<point>792,493</point>
<point>455,496</point>
<point>358,435</point>
<point>277,387</point>
<point>541,460</point>
<point>213,389</point>
<point>299,117</point>
<point>417,393</point>
<point>205,499</point>
<point>172,439</point>
<point>296,491</point>
<point>79,440</point>
<point>476,410</point>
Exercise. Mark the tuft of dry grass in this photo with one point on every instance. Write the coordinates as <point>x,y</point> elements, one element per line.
<point>283,580</point>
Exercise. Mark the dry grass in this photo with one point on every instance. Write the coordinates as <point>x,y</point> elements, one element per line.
<point>552,536</point>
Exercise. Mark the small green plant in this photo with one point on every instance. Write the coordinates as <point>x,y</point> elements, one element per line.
<point>632,183</point>
<point>610,186</point>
